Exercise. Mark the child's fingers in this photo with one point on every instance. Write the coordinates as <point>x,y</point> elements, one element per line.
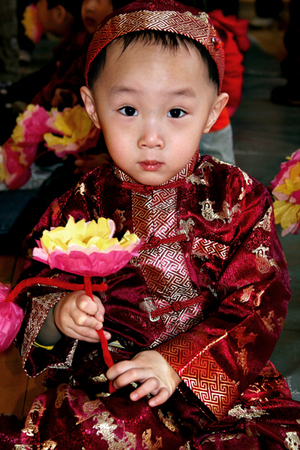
<point>92,307</point>
<point>149,386</point>
<point>160,398</point>
<point>82,319</point>
<point>84,334</point>
<point>118,369</point>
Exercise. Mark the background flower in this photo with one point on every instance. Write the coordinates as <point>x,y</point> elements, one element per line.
<point>72,131</point>
<point>31,125</point>
<point>11,316</point>
<point>17,173</point>
<point>32,25</point>
<point>286,190</point>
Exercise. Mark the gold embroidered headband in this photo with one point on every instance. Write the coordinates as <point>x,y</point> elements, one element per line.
<point>158,15</point>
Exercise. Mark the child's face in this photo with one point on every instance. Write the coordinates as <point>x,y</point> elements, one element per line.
<point>93,12</point>
<point>46,18</point>
<point>153,105</point>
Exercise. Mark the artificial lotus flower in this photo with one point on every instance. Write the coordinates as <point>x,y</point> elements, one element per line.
<point>32,25</point>
<point>72,131</point>
<point>286,190</point>
<point>86,248</point>
<point>31,125</point>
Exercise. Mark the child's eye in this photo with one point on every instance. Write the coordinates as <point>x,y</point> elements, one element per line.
<point>175,113</point>
<point>128,111</point>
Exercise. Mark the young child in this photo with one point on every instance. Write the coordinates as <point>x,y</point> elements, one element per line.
<point>62,90</point>
<point>61,18</point>
<point>191,322</point>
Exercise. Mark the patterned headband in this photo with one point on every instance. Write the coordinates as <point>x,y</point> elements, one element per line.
<point>158,15</point>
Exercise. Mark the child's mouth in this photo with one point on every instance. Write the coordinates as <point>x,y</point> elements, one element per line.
<point>151,166</point>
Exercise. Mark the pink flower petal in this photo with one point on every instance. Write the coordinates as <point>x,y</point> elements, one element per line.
<point>93,265</point>
<point>284,171</point>
<point>11,316</point>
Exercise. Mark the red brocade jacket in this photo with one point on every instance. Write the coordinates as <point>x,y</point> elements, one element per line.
<point>209,290</point>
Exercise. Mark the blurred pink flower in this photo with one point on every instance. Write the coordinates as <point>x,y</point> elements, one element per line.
<point>70,131</point>
<point>286,190</point>
<point>32,25</point>
<point>11,316</point>
<point>31,125</point>
<point>17,173</point>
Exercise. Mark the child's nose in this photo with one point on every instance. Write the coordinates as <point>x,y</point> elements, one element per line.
<point>151,136</point>
<point>90,5</point>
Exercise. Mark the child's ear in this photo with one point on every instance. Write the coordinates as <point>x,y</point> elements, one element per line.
<point>216,110</point>
<point>59,14</point>
<point>88,100</point>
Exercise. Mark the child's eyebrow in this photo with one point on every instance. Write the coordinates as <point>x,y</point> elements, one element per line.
<point>184,92</point>
<point>120,89</point>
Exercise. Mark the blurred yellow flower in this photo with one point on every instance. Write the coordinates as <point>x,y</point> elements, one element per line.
<point>287,214</point>
<point>291,184</point>
<point>72,130</point>
<point>31,23</point>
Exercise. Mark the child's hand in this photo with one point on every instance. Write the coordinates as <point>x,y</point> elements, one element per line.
<point>90,162</point>
<point>150,369</point>
<point>78,316</point>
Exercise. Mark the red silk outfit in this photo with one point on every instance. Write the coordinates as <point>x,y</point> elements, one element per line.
<point>209,291</point>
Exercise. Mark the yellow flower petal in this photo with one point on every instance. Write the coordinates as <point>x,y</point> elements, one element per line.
<point>286,213</point>
<point>128,238</point>
<point>85,235</point>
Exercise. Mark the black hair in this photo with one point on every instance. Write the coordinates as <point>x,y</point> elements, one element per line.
<point>167,39</point>
<point>72,6</point>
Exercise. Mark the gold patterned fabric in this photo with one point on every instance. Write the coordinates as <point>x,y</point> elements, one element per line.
<point>209,286</point>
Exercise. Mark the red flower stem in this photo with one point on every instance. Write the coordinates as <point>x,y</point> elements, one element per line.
<point>103,341</point>
<point>50,282</point>
<point>106,355</point>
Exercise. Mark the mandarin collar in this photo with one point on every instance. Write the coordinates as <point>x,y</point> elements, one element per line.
<point>130,182</point>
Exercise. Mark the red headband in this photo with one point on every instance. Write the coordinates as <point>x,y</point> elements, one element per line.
<point>159,15</point>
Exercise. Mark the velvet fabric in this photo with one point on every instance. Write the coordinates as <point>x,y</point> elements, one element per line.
<point>209,291</point>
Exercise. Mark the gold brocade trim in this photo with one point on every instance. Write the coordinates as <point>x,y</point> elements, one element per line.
<point>268,321</point>
<point>243,413</point>
<point>265,222</point>
<point>168,421</point>
<point>197,27</point>
<point>48,445</point>
<point>61,394</point>
<point>99,378</point>
<point>148,443</point>
<point>211,385</point>
<point>226,215</point>
<point>80,189</point>
<point>292,441</point>
<point>204,247</point>
<point>105,426</point>
<point>223,437</point>
<point>30,428</point>
<point>262,262</point>
<point>201,373</point>
<point>241,359</point>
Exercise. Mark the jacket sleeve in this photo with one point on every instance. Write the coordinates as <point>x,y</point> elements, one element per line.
<point>38,299</point>
<point>222,355</point>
